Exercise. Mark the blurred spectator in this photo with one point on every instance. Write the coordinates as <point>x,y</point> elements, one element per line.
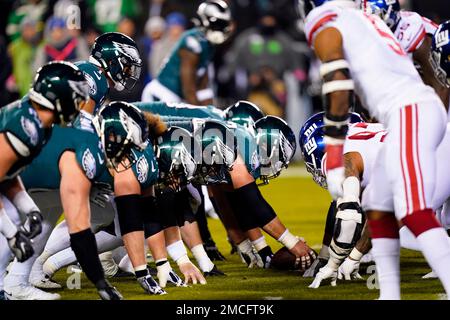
<point>60,44</point>
<point>5,72</point>
<point>176,25</point>
<point>90,34</point>
<point>22,52</point>
<point>32,9</point>
<point>106,14</point>
<point>127,26</point>
<point>154,30</point>
<point>259,59</point>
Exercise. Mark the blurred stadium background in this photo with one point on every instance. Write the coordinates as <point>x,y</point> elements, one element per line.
<point>266,61</point>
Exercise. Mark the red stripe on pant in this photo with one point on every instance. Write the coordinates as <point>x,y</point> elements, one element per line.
<point>409,154</point>
<point>386,227</point>
<point>401,160</point>
<point>417,155</point>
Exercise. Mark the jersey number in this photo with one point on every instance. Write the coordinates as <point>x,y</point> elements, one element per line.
<point>387,37</point>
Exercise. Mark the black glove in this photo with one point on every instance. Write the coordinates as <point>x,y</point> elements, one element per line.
<point>21,246</point>
<point>100,193</point>
<point>212,251</point>
<point>32,226</point>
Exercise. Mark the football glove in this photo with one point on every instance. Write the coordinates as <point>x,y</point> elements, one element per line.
<point>150,285</point>
<point>107,292</point>
<point>327,272</point>
<point>315,267</point>
<point>100,194</point>
<point>32,226</point>
<point>212,251</point>
<point>21,246</point>
<point>349,270</point>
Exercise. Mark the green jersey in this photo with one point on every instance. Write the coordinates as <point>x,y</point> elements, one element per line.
<point>98,84</point>
<point>194,41</point>
<point>23,130</point>
<point>44,170</point>
<point>180,110</point>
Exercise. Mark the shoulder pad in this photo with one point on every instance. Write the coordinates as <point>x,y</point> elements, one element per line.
<point>410,31</point>
<point>319,18</point>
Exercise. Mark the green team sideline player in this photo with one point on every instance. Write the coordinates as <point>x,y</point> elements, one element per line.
<point>184,74</point>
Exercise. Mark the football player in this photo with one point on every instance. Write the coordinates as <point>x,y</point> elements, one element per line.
<point>184,75</point>
<point>58,91</point>
<point>406,107</point>
<point>414,33</point>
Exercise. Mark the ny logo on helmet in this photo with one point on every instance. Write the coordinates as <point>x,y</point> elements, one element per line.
<point>310,130</point>
<point>442,38</point>
<point>310,146</point>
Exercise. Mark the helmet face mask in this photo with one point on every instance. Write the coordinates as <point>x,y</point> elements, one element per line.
<point>122,129</point>
<point>176,164</point>
<point>387,10</point>
<point>440,54</point>
<point>276,144</point>
<point>119,56</point>
<point>218,147</point>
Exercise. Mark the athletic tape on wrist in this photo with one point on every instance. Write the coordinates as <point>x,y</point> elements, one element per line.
<point>176,250</point>
<point>356,254</point>
<point>245,246</point>
<point>288,239</point>
<point>260,243</point>
<point>182,260</point>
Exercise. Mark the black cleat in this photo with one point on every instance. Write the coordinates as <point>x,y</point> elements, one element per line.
<point>214,272</point>
<point>107,292</point>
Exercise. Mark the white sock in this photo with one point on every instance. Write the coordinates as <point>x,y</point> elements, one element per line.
<point>436,249</point>
<point>59,260</point>
<point>202,258</point>
<point>386,253</point>
<point>5,258</point>
<point>125,264</point>
<point>259,243</point>
<point>408,239</point>
<point>7,227</point>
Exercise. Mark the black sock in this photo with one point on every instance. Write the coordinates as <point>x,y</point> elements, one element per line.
<point>141,273</point>
<point>265,252</point>
<point>85,248</point>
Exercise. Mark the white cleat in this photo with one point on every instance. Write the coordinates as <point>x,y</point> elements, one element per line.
<point>43,281</point>
<point>28,292</point>
<point>430,275</point>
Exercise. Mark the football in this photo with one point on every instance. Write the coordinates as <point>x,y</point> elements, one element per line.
<point>283,259</point>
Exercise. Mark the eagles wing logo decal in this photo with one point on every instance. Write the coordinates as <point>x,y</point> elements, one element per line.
<point>88,163</point>
<point>29,127</point>
<point>91,83</point>
<point>128,50</point>
<point>142,169</point>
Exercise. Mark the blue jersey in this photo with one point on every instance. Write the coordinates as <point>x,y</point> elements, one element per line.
<point>23,130</point>
<point>194,41</point>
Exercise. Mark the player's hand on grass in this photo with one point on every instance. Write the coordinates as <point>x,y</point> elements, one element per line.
<point>166,274</point>
<point>191,273</point>
<point>327,272</point>
<point>349,270</point>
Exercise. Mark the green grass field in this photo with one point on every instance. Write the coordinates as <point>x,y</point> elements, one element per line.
<point>302,206</point>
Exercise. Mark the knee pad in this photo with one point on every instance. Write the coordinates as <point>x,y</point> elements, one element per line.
<point>184,210</point>
<point>349,225</point>
<point>165,202</point>
<point>150,212</point>
<point>129,213</point>
<point>252,210</point>
<point>151,228</point>
<point>243,219</point>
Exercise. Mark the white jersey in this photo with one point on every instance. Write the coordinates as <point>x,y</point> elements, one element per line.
<point>412,29</point>
<point>365,139</point>
<point>385,78</point>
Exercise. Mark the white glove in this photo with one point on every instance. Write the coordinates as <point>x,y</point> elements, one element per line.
<point>335,178</point>
<point>163,273</point>
<point>327,272</point>
<point>349,270</point>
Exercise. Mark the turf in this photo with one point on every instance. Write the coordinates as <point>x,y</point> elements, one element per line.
<point>302,206</point>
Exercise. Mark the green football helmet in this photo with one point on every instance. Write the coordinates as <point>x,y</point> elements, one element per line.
<point>119,56</point>
<point>218,151</point>
<point>121,127</point>
<point>243,113</point>
<point>276,146</point>
<point>174,150</point>
<point>61,87</point>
